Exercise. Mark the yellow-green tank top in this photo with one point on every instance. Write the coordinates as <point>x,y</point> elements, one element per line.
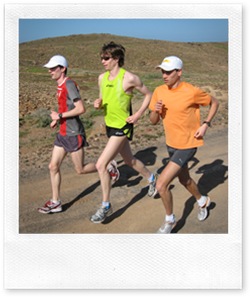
<point>116,103</point>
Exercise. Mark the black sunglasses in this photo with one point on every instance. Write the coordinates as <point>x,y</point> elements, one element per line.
<point>168,72</point>
<point>105,58</point>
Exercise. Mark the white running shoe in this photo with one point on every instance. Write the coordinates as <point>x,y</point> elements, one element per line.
<point>166,227</point>
<point>152,187</point>
<point>202,211</point>
<point>101,214</point>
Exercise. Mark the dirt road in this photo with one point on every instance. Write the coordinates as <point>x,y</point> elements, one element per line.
<point>133,210</point>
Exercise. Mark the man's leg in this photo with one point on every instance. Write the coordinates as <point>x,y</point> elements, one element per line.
<point>112,148</point>
<point>131,161</point>
<point>78,161</point>
<point>162,185</point>
<point>191,186</point>
<point>58,155</point>
<point>186,180</point>
<point>54,204</point>
<point>139,166</point>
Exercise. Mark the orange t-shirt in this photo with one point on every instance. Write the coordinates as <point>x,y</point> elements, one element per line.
<point>181,113</point>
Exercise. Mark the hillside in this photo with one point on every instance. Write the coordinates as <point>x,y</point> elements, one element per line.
<point>205,65</point>
<point>83,52</point>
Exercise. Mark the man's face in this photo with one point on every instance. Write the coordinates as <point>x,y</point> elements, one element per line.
<point>108,62</point>
<point>56,72</point>
<point>171,77</point>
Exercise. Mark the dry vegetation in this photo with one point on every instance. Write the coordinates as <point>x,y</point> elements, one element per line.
<point>205,65</point>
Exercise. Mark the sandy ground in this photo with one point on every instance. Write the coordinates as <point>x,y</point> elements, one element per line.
<point>133,210</point>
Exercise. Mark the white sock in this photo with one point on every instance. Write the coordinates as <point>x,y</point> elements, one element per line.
<point>170,218</point>
<point>202,201</point>
<point>55,201</point>
<point>105,203</point>
<point>151,178</point>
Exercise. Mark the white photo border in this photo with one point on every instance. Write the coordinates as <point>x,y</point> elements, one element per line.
<point>136,261</point>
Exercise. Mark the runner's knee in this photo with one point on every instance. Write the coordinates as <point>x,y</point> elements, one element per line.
<point>101,167</point>
<point>53,167</point>
<point>161,186</point>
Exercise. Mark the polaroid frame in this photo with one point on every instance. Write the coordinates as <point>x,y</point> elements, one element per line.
<point>137,261</point>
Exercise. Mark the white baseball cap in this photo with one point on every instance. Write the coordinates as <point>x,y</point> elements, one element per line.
<point>56,60</point>
<point>171,63</point>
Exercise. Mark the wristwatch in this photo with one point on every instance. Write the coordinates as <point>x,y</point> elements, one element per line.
<point>60,115</point>
<point>208,123</point>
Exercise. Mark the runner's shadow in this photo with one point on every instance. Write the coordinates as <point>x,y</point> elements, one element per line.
<point>87,191</point>
<point>213,175</point>
<point>147,156</point>
<point>122,210</point>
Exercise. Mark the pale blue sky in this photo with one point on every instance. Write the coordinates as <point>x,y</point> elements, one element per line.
<point>178,30</point>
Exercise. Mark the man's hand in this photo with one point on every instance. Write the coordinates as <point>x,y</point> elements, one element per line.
<point>201,131</point>
<point>54,115</point>
<point>53,124</point>
<point>98,103</point>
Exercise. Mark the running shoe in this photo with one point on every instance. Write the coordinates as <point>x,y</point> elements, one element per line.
<point>113,171</point>
<point>51,206</point>
<point>202,211</point>
<point>152,187</point>
<point>166,227</point>
<point>101,214</point>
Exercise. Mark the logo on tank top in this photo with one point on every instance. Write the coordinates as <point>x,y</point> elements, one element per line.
<point>109,86</point>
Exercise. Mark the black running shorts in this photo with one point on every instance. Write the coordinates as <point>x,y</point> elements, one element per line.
<point>181,157</point>
<point>127,130</point>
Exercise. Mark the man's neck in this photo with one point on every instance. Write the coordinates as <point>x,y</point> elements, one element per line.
<point>175,85</point>
<point>114,72</point>
<point>61,80</point>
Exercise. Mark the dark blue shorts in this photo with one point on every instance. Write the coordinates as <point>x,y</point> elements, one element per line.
<point>181,157</point>
<point>70,143</point>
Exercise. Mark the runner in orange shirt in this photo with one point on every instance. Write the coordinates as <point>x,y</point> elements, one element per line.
<point>178,104</point>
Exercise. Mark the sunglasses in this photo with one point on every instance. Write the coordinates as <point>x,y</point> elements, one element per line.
<point>168,72</point>
<point>105,58</point>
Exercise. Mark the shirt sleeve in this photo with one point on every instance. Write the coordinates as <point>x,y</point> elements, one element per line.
<point>201,97</point>
<point>153,100</point>
<point>73,91</point>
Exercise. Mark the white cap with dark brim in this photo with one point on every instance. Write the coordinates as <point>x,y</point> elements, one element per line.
<point>170,63</point>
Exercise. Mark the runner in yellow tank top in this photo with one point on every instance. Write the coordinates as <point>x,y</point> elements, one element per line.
<point>116,86</point>
<point>116,102</point>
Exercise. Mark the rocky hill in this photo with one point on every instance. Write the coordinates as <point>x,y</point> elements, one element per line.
<point>205,65</point>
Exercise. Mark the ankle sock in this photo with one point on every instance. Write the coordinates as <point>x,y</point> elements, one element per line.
<point>106,204</point>
<point>170,218</point>
<point>202,201</point>
<point>55,202</point>
<point>151,178</point>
